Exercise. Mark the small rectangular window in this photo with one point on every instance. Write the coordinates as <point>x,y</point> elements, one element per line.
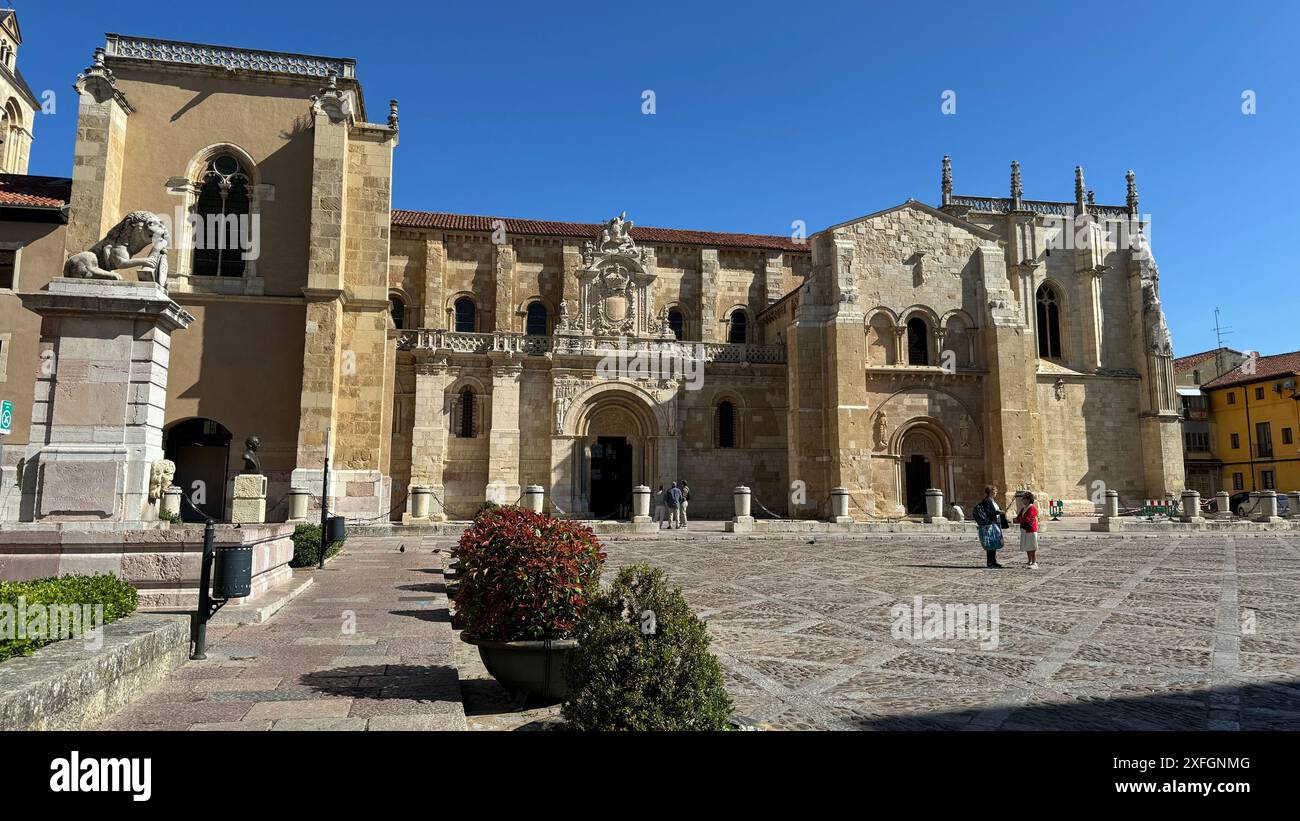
<point>1232,398</point>
<point>1259,393</point>
<point>1238,481</point>
<point>1286,436</point>
<point>1267,477</point>
<point>8,268</point>
<point>1236,441</point>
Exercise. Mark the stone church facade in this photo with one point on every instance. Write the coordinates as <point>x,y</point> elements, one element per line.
<point>981,340</point>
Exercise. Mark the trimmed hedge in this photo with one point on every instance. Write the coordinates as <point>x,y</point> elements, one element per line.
<point>118,598</point>
<point>306,546</point>
<point>637,671</point>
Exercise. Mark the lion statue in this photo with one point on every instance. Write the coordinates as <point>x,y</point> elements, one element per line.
<point>119,250</point>
<point>161,473</point>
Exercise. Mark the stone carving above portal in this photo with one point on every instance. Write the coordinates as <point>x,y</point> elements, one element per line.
<point>121,248</point>
<point>615,295</point>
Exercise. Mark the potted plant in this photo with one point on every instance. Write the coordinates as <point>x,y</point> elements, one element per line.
<point>525,581</point>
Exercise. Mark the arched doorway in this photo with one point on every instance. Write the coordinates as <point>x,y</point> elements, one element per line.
<point>201,450</point>
<point>616,445</point>
<point>924,464</point>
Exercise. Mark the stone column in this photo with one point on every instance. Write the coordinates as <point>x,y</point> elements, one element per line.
<point>709,331</point>
<point>503,306</point>
<point>1268,507</point>
<point>742,522</point>
<point>1222,504</point>
<point>641,503</point>
<point>429,432</point>
<point>1112,505</point>
<point>534,498</point>
<point>95,204</point>
<point>1293,504</point>
<point>298,499</point>
<point>840,506</point>
<point>1010,389</point>
<point>934,506</point>
<point>98,410</point>
<point>1192,506</point>
<point>421,497</point>
<point>774,277</point>
<point>503,439</point>
<point>171,501</point>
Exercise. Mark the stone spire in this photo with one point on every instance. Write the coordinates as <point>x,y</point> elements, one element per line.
<point>946,180</point>
<point>392,114</point>
<point>1080,204</point>
<point>1017,190</point>
<point>98,79</point>
<point>1132,198</point>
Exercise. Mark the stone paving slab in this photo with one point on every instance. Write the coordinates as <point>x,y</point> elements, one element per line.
<point>367,646</point>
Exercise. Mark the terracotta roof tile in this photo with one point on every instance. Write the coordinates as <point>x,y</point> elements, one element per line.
<point>1194,359</point>
<point>579,230</point>
<point>41,192</point>
<point>1266,367</point>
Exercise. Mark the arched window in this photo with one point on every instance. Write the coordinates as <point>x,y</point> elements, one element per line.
<point>463,419</point>
<point>223,231</point>
<point>918,342</point>
<point>737,333</point>
<point>536,322</point>
<point>1049,323</point>
<point>397,309</point>
<point>676,322</point>
<point>726,425</point>
<point>465,315</point>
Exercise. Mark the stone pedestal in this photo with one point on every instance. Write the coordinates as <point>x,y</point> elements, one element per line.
<point>248,502</point>
<point>1112,505</point>
<point>743,521</point>
<point>1222,504</point>
<point>640,504</point>
<point>934,506</point>
<point>1192,506</point>
<point>840,506</point>
<point>1266,510</point>
<point>171,501</point>
<point>98,409</point>
<point>1293,502</point>
<point>298,498</point>
<point>534,497</point>
<point>421,496</point>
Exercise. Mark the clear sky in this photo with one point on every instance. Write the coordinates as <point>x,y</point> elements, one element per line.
<point>767,113</point>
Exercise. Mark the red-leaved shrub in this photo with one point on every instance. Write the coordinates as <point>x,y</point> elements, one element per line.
<point>525,576</point>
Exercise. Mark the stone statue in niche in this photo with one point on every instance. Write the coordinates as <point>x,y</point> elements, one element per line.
<point>963,432</point>
<point>121,248</point>
<point>882,430</point>
<point>1059,389</point>
<point>252,465</point>
<point>564,315</point>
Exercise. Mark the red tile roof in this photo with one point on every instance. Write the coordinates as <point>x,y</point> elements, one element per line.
<point>41,192</point>
<point>1266,367</point>
<point>1192,360</point>
<point>585,231</point>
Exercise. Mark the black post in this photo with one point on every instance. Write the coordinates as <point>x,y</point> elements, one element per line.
<point>205,597</point>
<point>325,504</point>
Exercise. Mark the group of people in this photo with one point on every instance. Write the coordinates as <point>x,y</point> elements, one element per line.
<point>672,502</point>
<point>992,521</point>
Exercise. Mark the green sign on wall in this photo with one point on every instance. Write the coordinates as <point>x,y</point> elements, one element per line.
<point>6,417</point>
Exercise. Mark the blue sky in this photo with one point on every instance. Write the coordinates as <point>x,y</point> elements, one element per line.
<point>768,113</point>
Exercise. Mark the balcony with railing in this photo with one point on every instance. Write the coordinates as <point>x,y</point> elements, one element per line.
<point>592,346</point>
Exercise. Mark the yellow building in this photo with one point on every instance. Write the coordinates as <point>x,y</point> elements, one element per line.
<point>1256,414</point>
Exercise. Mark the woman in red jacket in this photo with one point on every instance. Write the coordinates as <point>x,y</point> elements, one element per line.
<point>1028,521</point>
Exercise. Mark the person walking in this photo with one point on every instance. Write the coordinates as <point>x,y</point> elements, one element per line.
<point>1028,521</point>
<point>989,518</point>
<point>686,502</point>
<point>659,507</point>
<point>673,498</point>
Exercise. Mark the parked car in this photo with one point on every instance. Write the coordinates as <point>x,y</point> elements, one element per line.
<point>1240,502</point>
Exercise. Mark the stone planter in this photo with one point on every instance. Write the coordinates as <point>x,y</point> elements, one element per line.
<point>535,667</point>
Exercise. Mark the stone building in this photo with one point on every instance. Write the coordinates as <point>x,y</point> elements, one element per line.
<point>1003,340</point>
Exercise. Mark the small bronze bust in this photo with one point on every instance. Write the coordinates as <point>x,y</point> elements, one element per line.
<point>251,464</point>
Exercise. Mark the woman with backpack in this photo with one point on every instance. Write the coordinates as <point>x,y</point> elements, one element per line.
<point>990,519</point>
<point>1028,521</point>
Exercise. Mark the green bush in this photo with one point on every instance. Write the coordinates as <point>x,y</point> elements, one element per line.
<point>306,546</point>
<point>621,678</point>
<point>118,598</point>
<point>168,516</point>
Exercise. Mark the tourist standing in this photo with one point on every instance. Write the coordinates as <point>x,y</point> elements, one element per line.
<point>659,506</point>
<point>686,502</point>
<point>989,518</point>
<point>674,501</point>
<point>1028,521</point>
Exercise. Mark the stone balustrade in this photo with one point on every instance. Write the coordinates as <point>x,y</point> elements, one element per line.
<point>511,342</point>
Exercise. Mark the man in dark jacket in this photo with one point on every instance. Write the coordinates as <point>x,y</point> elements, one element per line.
<point>674,500</point>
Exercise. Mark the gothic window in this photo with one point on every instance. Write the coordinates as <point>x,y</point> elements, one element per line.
<point>726,425</point>
<point>736,334</point>
<point>223,231</point>
<point>1049,323</point>
<point>536,323</point>
<point>465,315</point>
<point>918,342</point>
<point>397,309</point>
<point>676,322</point>
<point>463,418</point>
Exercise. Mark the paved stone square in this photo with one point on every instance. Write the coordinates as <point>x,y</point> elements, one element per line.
<point>1112,633</point>
<point>367,646</point>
